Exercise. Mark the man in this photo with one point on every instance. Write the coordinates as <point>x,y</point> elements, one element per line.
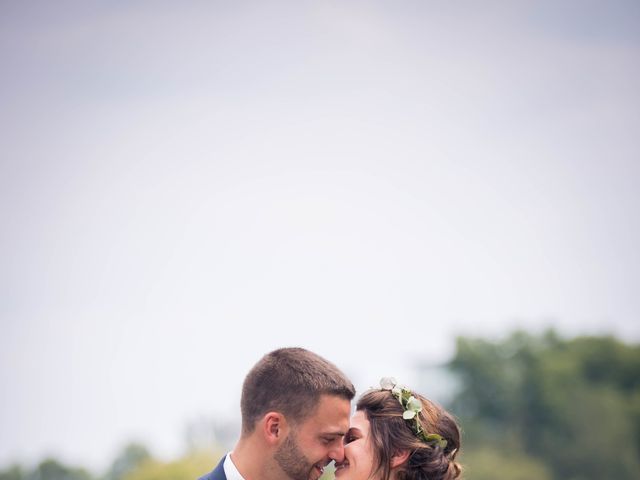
<point>295,409</point>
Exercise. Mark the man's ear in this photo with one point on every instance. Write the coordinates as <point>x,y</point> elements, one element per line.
<point>274,427</point>
<point>399,458</point>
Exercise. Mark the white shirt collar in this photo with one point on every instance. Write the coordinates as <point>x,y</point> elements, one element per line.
<point>230,469</point>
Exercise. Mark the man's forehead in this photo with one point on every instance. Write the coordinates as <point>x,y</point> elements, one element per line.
<point>331,415</point>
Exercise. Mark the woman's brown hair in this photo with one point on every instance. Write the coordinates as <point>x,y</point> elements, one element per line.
<point>390,434</point>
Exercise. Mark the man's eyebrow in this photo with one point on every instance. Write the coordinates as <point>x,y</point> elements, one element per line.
<point>333,434</point>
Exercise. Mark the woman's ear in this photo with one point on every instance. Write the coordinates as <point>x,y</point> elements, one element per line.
<point>399,458</point>
<point>274,427</point>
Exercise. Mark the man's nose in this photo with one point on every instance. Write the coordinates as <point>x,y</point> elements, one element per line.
<point>337,451</point>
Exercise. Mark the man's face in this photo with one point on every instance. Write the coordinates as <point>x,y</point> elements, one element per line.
<point>311,445</point>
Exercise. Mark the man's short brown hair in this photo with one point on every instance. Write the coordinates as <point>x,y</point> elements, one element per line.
<point>290,381</point>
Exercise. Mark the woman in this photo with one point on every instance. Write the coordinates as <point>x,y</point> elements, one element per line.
<point>397,434</point>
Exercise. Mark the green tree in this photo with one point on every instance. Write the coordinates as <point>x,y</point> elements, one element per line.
<point>569,405</point>
<point>130,458</point>
<point>485,463</point>
<point>190,467</point>
<point>51,469</point>
<point>14,472</point>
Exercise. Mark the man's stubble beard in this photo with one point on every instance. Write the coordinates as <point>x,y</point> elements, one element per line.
<point>291,459</point>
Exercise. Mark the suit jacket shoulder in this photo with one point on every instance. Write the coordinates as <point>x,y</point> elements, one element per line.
<point>217,473</point>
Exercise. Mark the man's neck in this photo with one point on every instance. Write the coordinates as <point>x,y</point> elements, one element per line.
<point>254,461</point>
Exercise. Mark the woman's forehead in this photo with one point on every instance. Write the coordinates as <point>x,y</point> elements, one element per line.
<point>359,420</point>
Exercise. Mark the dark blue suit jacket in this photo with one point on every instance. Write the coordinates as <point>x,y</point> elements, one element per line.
<point>217,473</point>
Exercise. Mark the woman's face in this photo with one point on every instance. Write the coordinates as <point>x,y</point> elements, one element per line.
<point>358,451</point>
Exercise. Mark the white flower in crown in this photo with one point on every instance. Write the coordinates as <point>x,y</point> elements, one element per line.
<point>413,407</point>
<point>387,383</point>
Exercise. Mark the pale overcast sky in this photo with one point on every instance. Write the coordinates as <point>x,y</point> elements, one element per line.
<point>185,186</point>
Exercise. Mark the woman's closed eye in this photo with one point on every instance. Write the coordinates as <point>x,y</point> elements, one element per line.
<point>350,436</point>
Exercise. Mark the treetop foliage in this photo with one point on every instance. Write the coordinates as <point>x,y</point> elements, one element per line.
<point>571,407</point>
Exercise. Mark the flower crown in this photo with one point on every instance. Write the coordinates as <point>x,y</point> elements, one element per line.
<point>412,407</point>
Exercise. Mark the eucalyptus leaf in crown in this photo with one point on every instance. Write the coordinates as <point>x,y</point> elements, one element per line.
<point>412,407</point>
